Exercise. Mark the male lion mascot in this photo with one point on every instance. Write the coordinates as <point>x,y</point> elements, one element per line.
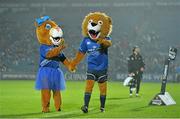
<point>96,29</point>
<point>49,76</point>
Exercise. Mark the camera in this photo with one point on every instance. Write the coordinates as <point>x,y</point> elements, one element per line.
<point>172,53</point>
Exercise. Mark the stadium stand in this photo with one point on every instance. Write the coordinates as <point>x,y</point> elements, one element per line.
<point>152,25</point>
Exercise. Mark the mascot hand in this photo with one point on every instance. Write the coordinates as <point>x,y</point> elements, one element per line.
<point>76,61</point>
<point>62,42</point>
<point>55,51</point>
<point>104,42</point>
<point>100,40</point>
<point>72,66</point>
<point>61,47</point>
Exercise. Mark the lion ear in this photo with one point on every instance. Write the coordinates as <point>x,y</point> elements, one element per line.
<point>91,13</point>
<point>110,20</point>
<point>35,24</point>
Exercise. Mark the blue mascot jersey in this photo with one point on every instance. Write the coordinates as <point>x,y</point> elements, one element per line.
<point>97,55</point>
<point>52,62</point>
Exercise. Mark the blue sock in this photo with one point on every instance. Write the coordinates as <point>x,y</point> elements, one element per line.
<point>102,100</point>
<point>87,97</point>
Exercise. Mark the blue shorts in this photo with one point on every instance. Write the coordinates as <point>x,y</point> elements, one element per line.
<point>99,76</point>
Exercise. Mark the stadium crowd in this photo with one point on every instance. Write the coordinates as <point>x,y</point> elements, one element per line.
<point>19,46</point>
<point>19,50</point>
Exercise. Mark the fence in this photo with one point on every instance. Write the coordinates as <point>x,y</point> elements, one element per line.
<point>82,76</point>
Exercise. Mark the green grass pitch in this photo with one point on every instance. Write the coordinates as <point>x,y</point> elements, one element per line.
<point>19,99</point>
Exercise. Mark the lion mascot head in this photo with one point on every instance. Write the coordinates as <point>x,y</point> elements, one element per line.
<point>97,25</point>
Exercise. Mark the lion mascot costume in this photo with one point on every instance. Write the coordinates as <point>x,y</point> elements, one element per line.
<point>96,29</point>
<point>49,76</point>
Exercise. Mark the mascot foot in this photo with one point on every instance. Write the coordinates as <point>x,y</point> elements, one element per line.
<point>59,110</point>
<point>45,111</point>
<point>84,109</point>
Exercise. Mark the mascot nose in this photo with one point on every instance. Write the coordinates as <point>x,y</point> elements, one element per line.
<point>58,29</point>
<point>93,24</point>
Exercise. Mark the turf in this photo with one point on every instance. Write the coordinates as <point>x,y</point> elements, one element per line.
<point>19,99</point>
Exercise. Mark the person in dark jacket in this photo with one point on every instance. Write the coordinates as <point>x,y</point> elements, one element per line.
<point>135,69</point>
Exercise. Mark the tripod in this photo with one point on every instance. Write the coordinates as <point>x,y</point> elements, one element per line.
<point>164,98</point>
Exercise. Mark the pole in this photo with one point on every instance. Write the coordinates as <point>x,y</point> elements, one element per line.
<point>164,77</point>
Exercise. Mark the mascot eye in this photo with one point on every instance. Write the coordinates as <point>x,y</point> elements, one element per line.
<point>48,26</point>
<point>100,22</point>
<point>90,21</point>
